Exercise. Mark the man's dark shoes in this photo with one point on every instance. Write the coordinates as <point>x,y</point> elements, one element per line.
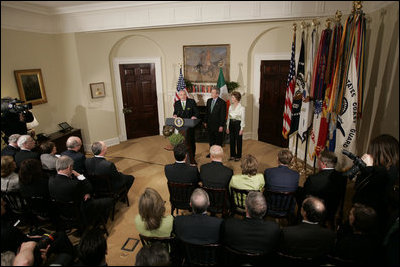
<point>208,155</point>
<point>231,158</point>
<point>237,159</point>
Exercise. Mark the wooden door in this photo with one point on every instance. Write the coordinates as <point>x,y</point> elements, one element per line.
<point>139,96</point>
<point>274,75</point>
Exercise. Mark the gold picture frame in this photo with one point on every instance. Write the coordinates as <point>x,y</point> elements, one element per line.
<point>30,86</point>
<point>202,62</point>
<point>97,90</point>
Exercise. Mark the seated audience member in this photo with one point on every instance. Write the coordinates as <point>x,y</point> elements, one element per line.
<point>12,148</point>
<point>252,234</point>
<point>308,239</point>
<point>198,228</point>
<point>154,255</point>
<point>215,174</point>
<point>92,248</point>
<point>68,185</point>
<point>33,181</point>
<point>328,184</point>
<point>281,178</point>
<point>180,172</point>
<point>151,220</point>
<point>361,245</point>
<point>48,158</point>
<point>26,143</point>
<point>98,165</point>
<point>249,179</point>
<point>9,179</point>
<point>74,144</point>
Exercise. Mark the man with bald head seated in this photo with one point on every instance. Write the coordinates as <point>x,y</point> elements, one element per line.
<point>308,239</point>
<point>215,174</point>
<point>253,233</point>
<point>74,144</point>
<point>198,228</point>
<point>98,165</point>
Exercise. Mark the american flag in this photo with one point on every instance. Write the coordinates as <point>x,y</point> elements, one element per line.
<point>290,84</point>
<point>180,86</point>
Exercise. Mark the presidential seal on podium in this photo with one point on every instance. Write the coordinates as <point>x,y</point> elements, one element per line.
<point>178,122</point>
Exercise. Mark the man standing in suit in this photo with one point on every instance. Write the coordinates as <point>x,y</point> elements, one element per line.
<point>253,233</point>
<point>198,228</point>
<point>308,239</point>
<point>215,118</point>
<point>328,184</point>
<point>74,144</point>
<point>281,178</point>
<point>180,172</point>
<point>187,108</point>
<point>12,148</point>
<point>215,174</point>
<point>98,165</point>
<point>26,143</point>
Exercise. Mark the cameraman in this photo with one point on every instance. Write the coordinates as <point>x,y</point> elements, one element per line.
<point>377,184</point>
<point>14,117</point>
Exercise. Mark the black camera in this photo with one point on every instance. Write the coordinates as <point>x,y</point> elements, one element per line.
<point>358,164</point>
<point>47,239</point>
<point>14,105</point>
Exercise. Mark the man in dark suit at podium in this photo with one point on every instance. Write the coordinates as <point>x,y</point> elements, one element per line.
<point>186,108</point>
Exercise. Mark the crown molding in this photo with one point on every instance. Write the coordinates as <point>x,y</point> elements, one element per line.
<point>123,15</point>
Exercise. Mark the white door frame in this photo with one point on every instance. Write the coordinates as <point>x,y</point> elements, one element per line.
<point>256,84</point>
<point>159,88</point>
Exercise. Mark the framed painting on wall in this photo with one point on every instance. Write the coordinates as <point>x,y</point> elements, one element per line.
<point>30,86</point>
<point>202,62</point>
<point>97,90</point>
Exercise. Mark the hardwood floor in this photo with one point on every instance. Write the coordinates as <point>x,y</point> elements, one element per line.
<point>145,159</point>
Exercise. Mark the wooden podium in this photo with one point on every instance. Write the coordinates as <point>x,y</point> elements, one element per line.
<point>184,126</point>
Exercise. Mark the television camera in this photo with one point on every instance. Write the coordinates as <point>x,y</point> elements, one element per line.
<point>14,105</point>
<point>358,164</point>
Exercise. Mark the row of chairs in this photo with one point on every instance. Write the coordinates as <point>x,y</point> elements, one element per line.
<point>102,188</point>
<point>183,253</point>
<point>280,204</point>
<point>187,254</point>
<point>36,212</point>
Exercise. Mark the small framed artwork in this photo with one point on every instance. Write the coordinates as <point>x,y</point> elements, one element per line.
<point>97,90</point>
<point>30,86</point>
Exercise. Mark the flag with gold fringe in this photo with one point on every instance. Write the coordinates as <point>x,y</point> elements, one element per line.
<point>307,106</point>
<point>318,87</point>
<point>290,84</point>
<point>330,70</point>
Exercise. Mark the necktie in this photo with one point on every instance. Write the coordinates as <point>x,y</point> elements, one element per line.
<point>183,105</point>
<point>212,104</point>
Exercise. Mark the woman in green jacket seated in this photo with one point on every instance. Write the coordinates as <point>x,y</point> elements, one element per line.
<point>249,179</point>
<point>151,220</point>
